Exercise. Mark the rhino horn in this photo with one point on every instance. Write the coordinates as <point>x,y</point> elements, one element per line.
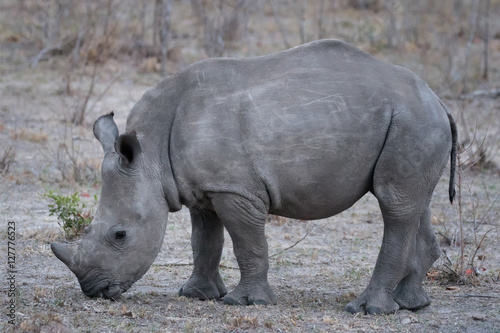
<point>106,131</point>
<point>66,253</point>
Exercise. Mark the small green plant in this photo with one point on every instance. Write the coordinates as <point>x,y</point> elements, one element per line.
<point>73,215</point>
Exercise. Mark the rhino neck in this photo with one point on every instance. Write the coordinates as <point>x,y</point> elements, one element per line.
<point>152,118</point>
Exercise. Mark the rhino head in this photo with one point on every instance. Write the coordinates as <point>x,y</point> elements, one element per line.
<point>126,234</point>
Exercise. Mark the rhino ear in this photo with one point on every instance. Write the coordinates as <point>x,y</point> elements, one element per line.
<point>105,131</point>
<point>128,147</point>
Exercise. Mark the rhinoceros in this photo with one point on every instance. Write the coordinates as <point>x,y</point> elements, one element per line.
<point>304,134</point>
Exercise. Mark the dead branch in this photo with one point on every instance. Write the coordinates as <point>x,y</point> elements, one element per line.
<point>104,92</point>
<point>471,295</point>
<point>280,26</point>
<point>495,93</point>
<point>479,245</point>
<point>447,239</point>
<point>191,264</point>
<point>486,39</point>
<point>288,248</point>
<point>79,114</point>
<point>489,208</point>
<point>60,46</point>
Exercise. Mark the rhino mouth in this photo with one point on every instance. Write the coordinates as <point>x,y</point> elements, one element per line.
<point>103,289</point>
<point>113,292</point>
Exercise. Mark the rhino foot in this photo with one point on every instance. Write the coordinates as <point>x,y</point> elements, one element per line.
<point>202,288</point>
<point>381,303</point>
<point>251,295</point>
<point>411,298</point>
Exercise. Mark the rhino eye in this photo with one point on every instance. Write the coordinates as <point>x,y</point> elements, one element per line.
<point>120,234</point>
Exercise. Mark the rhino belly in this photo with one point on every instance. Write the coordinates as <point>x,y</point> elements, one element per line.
<point>318,187</point>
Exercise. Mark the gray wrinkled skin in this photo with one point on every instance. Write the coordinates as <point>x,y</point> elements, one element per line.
<point>303,133</point>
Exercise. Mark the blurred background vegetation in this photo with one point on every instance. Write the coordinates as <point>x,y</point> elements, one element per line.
<point>453,45</point>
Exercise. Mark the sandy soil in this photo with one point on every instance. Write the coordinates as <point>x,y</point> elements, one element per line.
<point>313,279</point>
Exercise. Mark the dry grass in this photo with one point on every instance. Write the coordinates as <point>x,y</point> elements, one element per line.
<point>6,159</point>
<point>30,135</point>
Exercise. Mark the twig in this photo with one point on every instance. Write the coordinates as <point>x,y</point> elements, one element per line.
<point>280,26</point>
<point>103,93</point>
<point>478,150</point>
<point>451,270</point>
<point>489,208</point>
<point>192,264</point>
<point>471,295</point>
<point>486,39</point>
<point>495,93</point>
<point>288,248</point>
<point>79,113</point>
<point>36,59</point>
<point>479,246</point>
<point>446,238</point>
<point>174,264</point>
<point>59,45</point>
<point>460,211</point>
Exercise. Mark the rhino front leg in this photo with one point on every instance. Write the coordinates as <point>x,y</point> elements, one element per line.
<point>207,240</point>
<point>245,223</point>
<point>409,293</point>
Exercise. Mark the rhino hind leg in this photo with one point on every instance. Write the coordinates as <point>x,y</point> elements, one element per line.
<point>405,176</point>
<point>409,293</point>
<point>207,240</point>
<point>398,246</point>
<point>245,224</point>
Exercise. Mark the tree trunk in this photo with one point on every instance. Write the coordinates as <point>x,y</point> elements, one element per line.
<point>165,32</point>
<point>157,19</point>
<point>486,38</point>
<point>280,26</point>
<point>321,28</point>
<point>302,21</point>
<point>472,32</point>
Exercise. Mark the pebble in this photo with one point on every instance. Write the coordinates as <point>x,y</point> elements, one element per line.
<point>478,316</point>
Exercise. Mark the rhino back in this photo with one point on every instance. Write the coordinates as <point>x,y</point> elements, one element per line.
<point>299,130</point>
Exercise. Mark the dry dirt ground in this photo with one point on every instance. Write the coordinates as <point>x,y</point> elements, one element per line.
<point>315,269</point>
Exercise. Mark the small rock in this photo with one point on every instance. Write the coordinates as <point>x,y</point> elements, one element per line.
<point>406,320</point>
<point>479,316</point>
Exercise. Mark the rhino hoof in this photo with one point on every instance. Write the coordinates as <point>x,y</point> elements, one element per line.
<point>411,299</point>
<point>259,295</point>
<point>231,300</point>
<point>204,291</point>
<point>366,305</point>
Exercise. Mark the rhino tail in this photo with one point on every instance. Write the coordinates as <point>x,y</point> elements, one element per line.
<point>453,154</point>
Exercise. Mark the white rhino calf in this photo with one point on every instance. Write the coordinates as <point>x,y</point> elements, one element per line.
<point>302,133</point>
